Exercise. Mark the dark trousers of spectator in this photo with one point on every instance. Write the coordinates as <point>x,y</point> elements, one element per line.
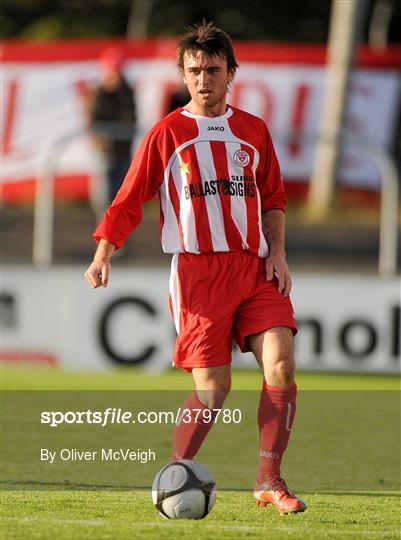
<point>117,168</point>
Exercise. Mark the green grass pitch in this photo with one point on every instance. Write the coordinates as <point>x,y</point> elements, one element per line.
<point>111,514</point>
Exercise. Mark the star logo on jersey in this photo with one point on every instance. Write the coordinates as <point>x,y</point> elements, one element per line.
<point>184,167</point>
<point>241,158</point>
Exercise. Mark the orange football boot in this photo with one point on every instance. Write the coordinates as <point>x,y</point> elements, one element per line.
<point>275,491</point>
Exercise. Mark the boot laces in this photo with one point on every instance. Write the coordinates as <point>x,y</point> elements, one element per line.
<point>276,483</point>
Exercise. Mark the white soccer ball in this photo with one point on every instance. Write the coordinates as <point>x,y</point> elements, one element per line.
<point>184,489</point>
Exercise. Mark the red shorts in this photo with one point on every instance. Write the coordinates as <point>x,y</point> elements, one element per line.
<point>215,298</point>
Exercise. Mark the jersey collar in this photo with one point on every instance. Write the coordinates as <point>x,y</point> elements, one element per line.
<point>227,114</point>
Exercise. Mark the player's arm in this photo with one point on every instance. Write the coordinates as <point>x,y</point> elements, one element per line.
<point>274,230</point>
<point>273,198</point>
<point>125,213</point>
<point>99,270</point>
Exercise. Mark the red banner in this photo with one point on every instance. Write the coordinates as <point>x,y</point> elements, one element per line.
<point>45,84</point>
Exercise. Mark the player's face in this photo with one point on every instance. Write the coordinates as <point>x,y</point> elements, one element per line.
<point>207,79</point>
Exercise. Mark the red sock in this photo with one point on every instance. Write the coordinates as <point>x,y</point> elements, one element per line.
<point>275,418</point>
<point>189,435</point>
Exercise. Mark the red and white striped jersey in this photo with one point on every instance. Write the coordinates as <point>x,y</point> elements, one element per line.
<point>214,176</point>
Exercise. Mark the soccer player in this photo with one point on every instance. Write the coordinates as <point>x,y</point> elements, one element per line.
<point>222,216</point>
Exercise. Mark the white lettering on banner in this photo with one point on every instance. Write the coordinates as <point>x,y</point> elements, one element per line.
<point>130,320</point>
<point>48,100</point>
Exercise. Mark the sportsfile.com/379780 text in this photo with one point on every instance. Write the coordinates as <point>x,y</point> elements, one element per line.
<point>113,415</point>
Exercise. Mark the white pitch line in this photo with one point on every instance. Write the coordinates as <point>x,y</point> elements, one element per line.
<point>145,524</point>
<point>95,522</point>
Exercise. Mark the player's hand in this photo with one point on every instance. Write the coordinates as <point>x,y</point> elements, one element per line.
<point>276,265</point>
<point>98,274</point>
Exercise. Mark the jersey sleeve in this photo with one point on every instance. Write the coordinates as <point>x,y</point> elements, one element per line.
<point>268,176</point>
<point>140,185</point>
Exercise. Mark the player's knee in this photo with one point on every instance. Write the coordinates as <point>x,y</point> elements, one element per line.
<point>284,371</point>
<point>214,399</point>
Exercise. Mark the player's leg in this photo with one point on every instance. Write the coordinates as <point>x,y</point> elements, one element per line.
<point>212,385</point>
<point>274,351</point>
<point>199,410</point>
<point>203,305</point>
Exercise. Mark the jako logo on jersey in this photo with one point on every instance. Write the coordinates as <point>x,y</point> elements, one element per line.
<point>264,453</point>
<point>215,128</point>
<point>241,158</point>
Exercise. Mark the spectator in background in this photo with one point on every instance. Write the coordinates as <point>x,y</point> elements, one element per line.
<point>179,98</point>
<point>113,119</point>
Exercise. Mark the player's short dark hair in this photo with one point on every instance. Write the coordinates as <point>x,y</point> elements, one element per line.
<point>208,38</point>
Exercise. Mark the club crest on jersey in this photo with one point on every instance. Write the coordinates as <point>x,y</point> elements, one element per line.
<point>241,158</point>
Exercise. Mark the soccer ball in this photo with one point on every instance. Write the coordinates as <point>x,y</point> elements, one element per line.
<point>184,489</point>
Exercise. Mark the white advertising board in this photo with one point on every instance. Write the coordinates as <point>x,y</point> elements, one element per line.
<point>346,322</point>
